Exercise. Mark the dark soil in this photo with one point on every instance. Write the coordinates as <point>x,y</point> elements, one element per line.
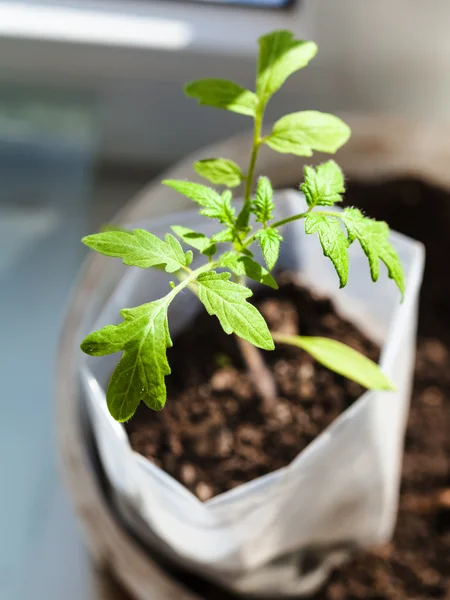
<point>416,565</point>
<point>213,433</point>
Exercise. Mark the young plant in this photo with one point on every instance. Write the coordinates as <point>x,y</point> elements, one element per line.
<point>219,282</point>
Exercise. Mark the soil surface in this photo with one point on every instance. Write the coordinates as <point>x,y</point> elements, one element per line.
<point>213,433</point>
<point>416,564</point>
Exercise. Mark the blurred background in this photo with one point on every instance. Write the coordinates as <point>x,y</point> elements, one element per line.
<point>92,108</point>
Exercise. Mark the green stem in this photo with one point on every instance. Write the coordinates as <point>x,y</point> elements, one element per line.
<point>189,279</point>
<point>245,211</point>
<point>289,219</point>
<point>326,213</point>
<point>253,156</point>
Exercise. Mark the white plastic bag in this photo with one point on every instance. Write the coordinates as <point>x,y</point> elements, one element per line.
<point>341,491</point>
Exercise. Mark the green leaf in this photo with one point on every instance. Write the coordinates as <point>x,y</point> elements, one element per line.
<point>280,55</point>
<point>140,248</point>
<point>242,221</point>
<point>246,252</point>
<point>324,185</point>
<point>244,265</point>
<point>227,301</point>
<point>226,209</point>
<point>199,241</point>
<point>333,240</point>
<point>374,239</point>
<point>263,202</point>
<point>341,359</point>
<point>269,240</point>
<point>223,94</point>
<point>302,132</point>
<point>226,235</point>
<point>214,205</point>
<point>143,337</point>
<point>219,171</point>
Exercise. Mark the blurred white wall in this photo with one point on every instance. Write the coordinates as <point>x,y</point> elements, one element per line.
<point>390,56</point>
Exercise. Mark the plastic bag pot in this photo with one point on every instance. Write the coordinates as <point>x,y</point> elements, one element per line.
<point>339,493</point>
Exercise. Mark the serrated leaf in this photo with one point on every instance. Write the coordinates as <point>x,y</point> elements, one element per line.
<point>263,204</point>
<point>223,94</point>
<point>143,337</point>
<point>341,359</point>
<point>199,241</point>
<point>214,205</point>
<point>228,302</point>
<point>333,240</point>
<point>140,248</point>
<point>243,218</point>
<point>199,193</point>
<point>219,171</point>
<point>226,235</point>
<point>225,213</point>
<point>302,132</point>
<point>244,265</point>
<point>269,240</point>
<point>280,55</point>
<point>374,239</point>
<point>324,185</point>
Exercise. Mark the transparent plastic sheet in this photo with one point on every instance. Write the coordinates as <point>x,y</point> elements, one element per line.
<point>340,492</point>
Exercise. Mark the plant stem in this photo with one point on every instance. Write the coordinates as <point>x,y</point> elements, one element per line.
<point>260,374</point>
<point>245,211</point>
<point>289,219</point>
<point>190,278</point>
<point>326,213</point>
<point>253,157</point>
